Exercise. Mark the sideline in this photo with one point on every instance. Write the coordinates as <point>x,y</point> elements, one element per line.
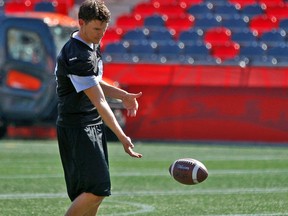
<point>142,208</point>
<point>149,193</point>
<point>152,173</point>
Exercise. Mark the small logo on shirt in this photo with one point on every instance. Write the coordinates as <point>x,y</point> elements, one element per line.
<point>72,59</point>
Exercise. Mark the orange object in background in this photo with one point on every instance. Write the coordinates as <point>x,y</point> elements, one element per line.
<point>18,80</point>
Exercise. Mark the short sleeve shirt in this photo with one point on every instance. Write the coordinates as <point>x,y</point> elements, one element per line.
<point>78,67</point>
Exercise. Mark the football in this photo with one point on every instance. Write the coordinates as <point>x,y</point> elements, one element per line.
<point>188,171</point>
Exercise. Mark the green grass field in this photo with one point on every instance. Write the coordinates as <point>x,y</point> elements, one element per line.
<point>243,180</point>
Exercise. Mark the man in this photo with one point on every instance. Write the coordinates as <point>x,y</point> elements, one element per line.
<point>81,109</point>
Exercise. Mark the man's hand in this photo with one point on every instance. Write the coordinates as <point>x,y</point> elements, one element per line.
<point>128,147</point>
<point>130,103</point>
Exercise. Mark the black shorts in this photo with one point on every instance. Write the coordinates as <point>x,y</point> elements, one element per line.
<point>84,158</point>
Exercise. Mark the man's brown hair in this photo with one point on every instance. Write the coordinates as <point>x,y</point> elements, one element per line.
<point>94,10</point>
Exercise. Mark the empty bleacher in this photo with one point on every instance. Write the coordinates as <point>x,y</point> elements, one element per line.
<point>228,26</point>
<point>209,70</point>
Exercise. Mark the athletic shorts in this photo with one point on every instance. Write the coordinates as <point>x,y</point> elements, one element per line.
<point>84,158</point>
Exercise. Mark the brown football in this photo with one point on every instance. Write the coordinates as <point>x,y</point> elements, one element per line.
<point>188,171</point>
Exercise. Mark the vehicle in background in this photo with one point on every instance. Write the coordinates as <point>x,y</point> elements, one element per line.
<point>29,44</point>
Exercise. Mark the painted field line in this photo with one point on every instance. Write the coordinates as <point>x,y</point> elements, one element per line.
<point>255,157</point>
<point>258,214</point>
<point>221,191</point>
<point>153,173</point>
<point>142,208</point>
<point>154,193</point>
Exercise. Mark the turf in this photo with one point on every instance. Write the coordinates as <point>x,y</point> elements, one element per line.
<point>243,180</point>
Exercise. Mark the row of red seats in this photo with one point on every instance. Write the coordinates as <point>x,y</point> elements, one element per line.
<point>230,53</point>
<point>213,35</point>
<point>170,9</point>
<point>238,3</point>
<point>216,42</point>
<point>59,6</point>
<point>258,24</point>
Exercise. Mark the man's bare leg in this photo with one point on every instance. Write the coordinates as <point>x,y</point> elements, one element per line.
<point>85,204</point>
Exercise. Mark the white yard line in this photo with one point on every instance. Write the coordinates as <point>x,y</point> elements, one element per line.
<point>143,208</point>
<point>154,173</point>
<point>258,214</point>
<point>202,191</point>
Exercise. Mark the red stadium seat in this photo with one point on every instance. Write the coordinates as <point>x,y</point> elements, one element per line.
<point>69,3</point>
<point>112,35</point>
<point>172,23</point>
<point>269,3</point>
<point>225,51</point>
<point>16,6</point>
<point>62,8</point>
<point>263,23</point>
<point>162,1</point>
<point>144,9</point>
<point>217,35</point>
<point>279,11</point>
<point>170,9</point>
<point>189,3</point>
<point>127,21</point>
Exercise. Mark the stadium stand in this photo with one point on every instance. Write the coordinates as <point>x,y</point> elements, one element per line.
<point>235,24</point>
<point>201,10</point>
<point>172,23</point>
<point>263,23</point>
<point>136,35</point>
<point>226,10</point>
<point>244,37</point>
<point>230,28</point>
<point>189,22</point>
<point>189,3</point>
<point>167,51</point>
<point>59,6</point>
<point>195,44</point>
<point>252,10</point>
<point>169,9</point>
<point>144,9</point>
<point>217,35</point>
<point>192,35</point>
<point>279,54</point>
<point>273,38</point>
<point>252,53</point>
<point>269,3</point>
<point>155,21</point>
<point>160,35</point>
<point>129,21</point>
<point>284,24</point>
<point>224,51</point>
<point>142,51</point>
<point>45,7</point>
<point>243,3</point>
<point>209,21</point>
<point>280,11</point>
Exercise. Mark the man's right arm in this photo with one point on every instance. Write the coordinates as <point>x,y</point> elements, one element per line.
<point>96,96</point>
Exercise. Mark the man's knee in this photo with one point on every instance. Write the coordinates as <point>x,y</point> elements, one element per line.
<point>95,199</point>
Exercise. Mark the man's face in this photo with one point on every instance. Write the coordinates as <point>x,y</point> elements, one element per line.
<point>93,31</point>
